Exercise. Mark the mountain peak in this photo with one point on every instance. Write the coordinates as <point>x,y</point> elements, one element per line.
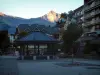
<point>48,19</point>
<point>52,16</point>
<point>52,11</point>
<point>2,14</point>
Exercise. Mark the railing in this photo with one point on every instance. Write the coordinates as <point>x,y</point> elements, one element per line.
<point>92,5</point>
<point>90,15</point>
<point>97,11</point>
<point>86,8</point>
<point>97,21</point>
<point>97,3</point>
<point>92,22</point>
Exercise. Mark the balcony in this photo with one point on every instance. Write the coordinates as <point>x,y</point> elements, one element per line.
<point>92,6</point>
<point>90,23</point>
<point>86,8</point>
<point>90,15</point>
<point>97,21</point>
<point>93,22</point>
<point>97,12</point>
<point>86,24</point>
<point>97,3</point>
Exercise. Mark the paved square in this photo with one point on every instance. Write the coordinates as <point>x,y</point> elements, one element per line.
<point>50,67</point>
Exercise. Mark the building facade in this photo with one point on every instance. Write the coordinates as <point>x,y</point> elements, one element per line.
<point>78,15</point>
<point>91,24</point>
<point>91,15</point>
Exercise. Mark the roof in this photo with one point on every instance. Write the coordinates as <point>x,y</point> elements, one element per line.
<point>22,27</point>
<point>79,8</point>
<point>36,27</point>
<point>37,37</point>
<point>51,30</point>
<point>12,30</point>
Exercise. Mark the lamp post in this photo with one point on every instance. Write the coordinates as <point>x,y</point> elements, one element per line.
<point>72,57</point>
<point>72,53</point>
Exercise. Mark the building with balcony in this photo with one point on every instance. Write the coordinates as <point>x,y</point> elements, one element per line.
<point>92,18</point>
<point>91,15</point>
<point>78,14</point>
<point>91,25</point>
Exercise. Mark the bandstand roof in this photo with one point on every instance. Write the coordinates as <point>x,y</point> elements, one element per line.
<point>37,38</point>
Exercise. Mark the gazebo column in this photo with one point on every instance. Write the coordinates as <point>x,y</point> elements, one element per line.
<point>34,49</point>
<point>23,50</point>
<point>27,49</point>
<point>52,48</point>
<point>38,49</point>
<point>55,48</point>
<point>49,48</point>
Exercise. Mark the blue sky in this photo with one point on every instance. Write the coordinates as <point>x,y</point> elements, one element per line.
<point>37,8</point>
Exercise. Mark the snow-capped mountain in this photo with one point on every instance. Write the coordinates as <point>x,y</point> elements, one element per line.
<point>2,14</point>
<point>51,16</point>
<point>48,19</point>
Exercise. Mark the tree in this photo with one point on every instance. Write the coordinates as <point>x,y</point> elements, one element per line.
<point>22,34</point>
<point>72,32</point>
<point>61,22</point>
<point>4,41</point>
